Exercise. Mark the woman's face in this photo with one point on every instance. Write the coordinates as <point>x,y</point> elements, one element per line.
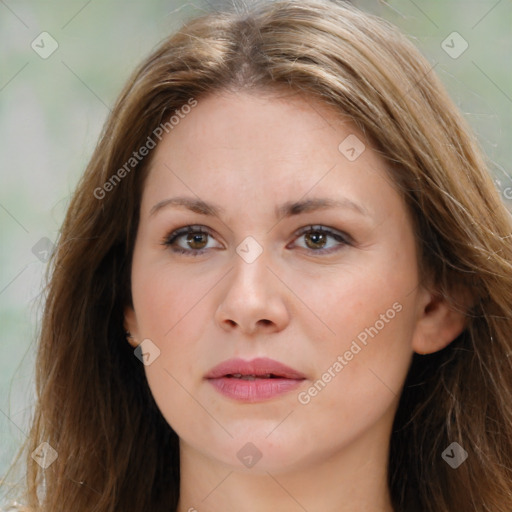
<point>300,251</point>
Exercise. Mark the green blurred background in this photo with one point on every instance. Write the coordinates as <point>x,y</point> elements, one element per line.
<point>52,110</point>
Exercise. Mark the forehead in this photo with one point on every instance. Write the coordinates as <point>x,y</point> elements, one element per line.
<point>240,146</point>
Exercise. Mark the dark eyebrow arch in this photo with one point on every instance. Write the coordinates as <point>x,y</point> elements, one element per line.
<point>191,203</point>
<point>287,209</point>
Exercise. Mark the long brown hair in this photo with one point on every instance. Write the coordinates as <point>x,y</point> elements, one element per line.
<point>115,450</point>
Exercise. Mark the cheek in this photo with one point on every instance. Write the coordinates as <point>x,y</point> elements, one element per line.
<point>371,313</point>
<point>171,322</point>
<point>168,308</point>
<point>365,300</point>
<point>368,358</point>
<point>166,299</point>
<point>360,374</point>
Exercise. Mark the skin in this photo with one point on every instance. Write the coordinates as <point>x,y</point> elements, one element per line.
<point>249,153</point>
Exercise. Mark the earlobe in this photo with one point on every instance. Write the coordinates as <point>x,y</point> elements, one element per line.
<point>130,326</point>
<point>438,324</point>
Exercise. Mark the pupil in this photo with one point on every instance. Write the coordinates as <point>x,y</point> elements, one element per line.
<point>198,238</point>
<point>315,238</point>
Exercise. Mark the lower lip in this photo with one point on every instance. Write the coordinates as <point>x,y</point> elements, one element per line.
<point>253,390</point>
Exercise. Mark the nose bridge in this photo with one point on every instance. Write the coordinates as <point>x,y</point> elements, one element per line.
<point>250,271</point>
<point>252,295</point>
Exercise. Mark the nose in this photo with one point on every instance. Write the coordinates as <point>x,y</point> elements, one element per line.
<point>253,299</point>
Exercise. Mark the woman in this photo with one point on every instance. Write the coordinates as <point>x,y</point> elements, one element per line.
<point>284,282</point>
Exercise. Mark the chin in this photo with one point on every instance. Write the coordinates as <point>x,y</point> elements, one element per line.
<point>257,452</point>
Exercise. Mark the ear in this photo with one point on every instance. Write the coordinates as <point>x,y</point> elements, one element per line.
<point>439,321</point>
<point>130,325</point>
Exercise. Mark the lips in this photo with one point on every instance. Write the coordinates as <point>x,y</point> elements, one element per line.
<point>258,368</point>
<point>253,381</point>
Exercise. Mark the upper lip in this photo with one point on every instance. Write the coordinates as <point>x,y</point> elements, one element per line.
<point>258,367</point>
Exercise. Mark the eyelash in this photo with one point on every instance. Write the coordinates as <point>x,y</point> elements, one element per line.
<point>170,239</point>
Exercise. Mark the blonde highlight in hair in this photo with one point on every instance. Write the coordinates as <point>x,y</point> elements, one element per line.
<point>94,405</point>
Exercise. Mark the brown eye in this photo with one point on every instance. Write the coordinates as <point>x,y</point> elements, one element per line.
<point>318,239</point>
<point>190,240</point>
<point>197,240</point>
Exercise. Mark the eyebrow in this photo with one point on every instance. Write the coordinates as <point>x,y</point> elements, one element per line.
<point>287,209</point>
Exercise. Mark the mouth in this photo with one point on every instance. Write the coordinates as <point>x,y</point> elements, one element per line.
<point>253,381</point>
<point>253,377</point>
